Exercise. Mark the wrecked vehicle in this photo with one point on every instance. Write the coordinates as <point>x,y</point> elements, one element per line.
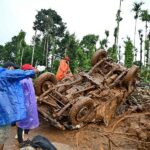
<point>86,97</point>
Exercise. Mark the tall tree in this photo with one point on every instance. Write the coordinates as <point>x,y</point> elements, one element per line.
<point>88,47</point>
<point>147,48</point>
<point>89,42</point>
<point>112,53</point>
<point>104,42</point>
<point>118,19</point>
<point>33,49</point>
<point>129,56</point>
<point>136,8</point>
<point>52,27</point>
<point>22,45</point>
<point>69,46</point>
<point>141,44</point>
<point>1,54</point>
<point>145,17</point>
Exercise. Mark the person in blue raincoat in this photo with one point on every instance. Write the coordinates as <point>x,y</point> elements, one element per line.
<point>12,106</point>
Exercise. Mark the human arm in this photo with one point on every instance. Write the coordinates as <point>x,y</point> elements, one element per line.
<point>18,74</point>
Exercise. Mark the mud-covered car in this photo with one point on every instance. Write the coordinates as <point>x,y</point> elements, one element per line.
<point>85,97</point>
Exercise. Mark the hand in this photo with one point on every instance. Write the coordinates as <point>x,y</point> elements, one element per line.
<point>36,71</point>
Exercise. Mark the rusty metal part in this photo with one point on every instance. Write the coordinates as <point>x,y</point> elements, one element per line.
<point>118,79</point>
<point>44,94</point>
<point>95,66</point>
<point>63,98</point>
<point>52,121</point>
<point>64,108</point>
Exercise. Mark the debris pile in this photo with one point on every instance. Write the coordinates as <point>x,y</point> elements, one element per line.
<point>86,97</point>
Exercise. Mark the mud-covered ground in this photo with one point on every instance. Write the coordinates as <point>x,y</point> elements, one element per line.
<point>130,129</point>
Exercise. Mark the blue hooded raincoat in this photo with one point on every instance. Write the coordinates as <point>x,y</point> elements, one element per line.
<point>12,106</point>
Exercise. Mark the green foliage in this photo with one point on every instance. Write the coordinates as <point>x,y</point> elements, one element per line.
<point>27,55</point>
<point>86,50</point>
<point>53,28</point>
<point>137,8</point>
<point>89,41</point>
<point>1,53</point>
<point>138,63</point>
<point>49,22</point>
<point>71,51</point>
<point>84,62</point>
<point>103,44</point>
<point>145,74</point>
<point>128,53</point>
<point>112,53</point>
<point>55,66</point>
<point>145,16</point>
<point>147,51</point>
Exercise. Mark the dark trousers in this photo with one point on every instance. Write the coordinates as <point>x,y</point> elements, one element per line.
<point>20,134</point>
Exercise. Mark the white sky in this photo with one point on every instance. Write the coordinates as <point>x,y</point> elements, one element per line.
<point>82,17</point>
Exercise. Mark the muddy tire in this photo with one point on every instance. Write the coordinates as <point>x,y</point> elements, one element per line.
<point>43,82</point>
<point>98,55</point>
<point>81,110</point>
<point>131,74</point>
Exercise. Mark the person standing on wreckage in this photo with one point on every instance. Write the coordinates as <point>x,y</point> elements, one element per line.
<point>12,107</point>
<point>63,69</point>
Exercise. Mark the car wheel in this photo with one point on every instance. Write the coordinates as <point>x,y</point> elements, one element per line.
<point>98,55</point>
<point>81,110</point>
<point>44,82</point>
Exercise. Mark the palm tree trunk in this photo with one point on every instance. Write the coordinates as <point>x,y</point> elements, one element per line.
<point>148,58</point>
<point>22,57</point>
<point>145,41</point>
<point>135,52</point>
<point>53,51</point>
<point>141,54</point>
<point>44,51</point>
<point>118,24</point>
<point>19,52</point>
<point>33,48</point>
<point>146,30</point>
<point>46,57</point>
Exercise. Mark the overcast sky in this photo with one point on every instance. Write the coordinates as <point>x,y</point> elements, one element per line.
<point>82,16</point>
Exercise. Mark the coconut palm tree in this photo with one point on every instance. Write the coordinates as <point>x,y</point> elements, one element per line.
<point>141,43</point>
<point>136,8</point>
<point>118,19</point>
<point>145,17</point>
